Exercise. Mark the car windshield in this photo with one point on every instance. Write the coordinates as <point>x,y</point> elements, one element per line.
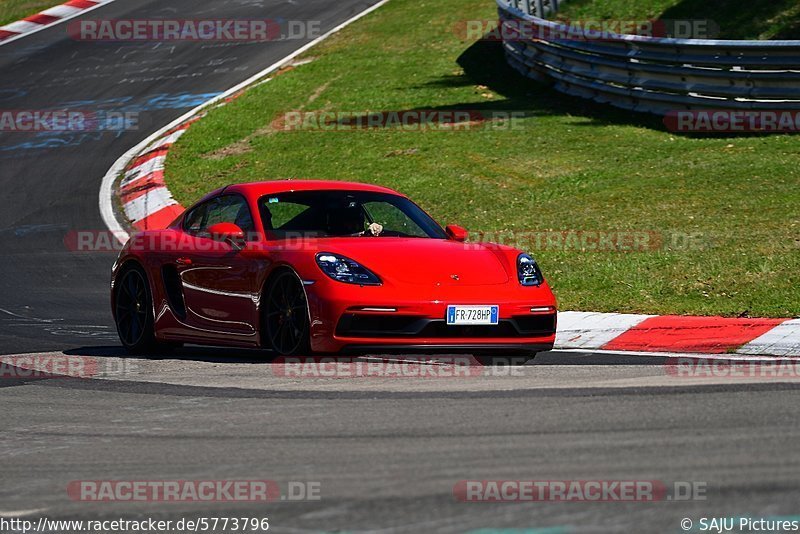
<point>344,214</point>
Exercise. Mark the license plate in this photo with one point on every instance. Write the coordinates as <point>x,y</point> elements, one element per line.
<point>473,315</point>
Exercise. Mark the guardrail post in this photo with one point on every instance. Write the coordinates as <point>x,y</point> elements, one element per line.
<point>528,7</point>
<point>540,9</point>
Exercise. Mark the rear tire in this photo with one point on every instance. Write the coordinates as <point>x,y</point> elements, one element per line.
<point>286,324</point>
<point>133,311</point>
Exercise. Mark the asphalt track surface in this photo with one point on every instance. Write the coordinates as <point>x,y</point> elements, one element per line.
<point>386,452</point>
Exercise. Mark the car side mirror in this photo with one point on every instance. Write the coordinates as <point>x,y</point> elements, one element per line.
<point>228,233</point>
<point>456,233</point>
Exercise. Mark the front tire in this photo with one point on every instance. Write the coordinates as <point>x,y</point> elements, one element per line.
<point>286,323</point>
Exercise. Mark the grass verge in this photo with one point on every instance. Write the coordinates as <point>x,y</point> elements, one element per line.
<point>13,10</point>
<point>722,212</point>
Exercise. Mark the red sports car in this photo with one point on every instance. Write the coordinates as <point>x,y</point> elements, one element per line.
<point>303,267</point>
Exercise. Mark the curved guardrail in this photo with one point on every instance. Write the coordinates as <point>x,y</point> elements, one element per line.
<point>656,75</point>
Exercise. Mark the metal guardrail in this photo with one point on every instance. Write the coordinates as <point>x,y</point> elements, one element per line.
<point>543,7</point>
<point>656,75</point>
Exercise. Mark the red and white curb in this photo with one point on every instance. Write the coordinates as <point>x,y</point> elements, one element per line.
<point>144,196</point>
<point>678,334</point>
<point>148,204</point>
<point>47,18</point>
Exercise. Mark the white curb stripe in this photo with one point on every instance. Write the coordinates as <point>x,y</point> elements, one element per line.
<point>149,203</point>
<point>783,340</point>
<point>148,167</point>
<point>62,11</point>
<point>589,330</point>
<point>22,26</point>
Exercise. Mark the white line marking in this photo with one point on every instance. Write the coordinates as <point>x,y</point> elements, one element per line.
<point>20,513</point>
<point>170,139</point>
<point>18,316</point>
<point>107,185</point>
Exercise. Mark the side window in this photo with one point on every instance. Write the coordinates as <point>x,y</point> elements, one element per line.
<point>229,208</point>
<point>284,213</point>
<point>194,222</point>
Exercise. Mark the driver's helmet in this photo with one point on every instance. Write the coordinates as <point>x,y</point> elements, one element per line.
<point>346,220</point>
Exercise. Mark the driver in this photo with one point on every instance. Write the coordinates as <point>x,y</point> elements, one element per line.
<point>346,221</point>
<point>350,221</point>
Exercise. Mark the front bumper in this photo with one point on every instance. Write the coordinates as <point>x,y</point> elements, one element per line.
<point>372,318</point>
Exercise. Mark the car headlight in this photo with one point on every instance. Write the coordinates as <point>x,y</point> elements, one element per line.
<point>528,271</point>
<point>345,270</point>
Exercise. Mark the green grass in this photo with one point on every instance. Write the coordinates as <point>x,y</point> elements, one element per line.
<point>571,165</point>
<point>13,10</point>
<point>736,19</point>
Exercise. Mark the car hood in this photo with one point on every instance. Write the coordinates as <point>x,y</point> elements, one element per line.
<point>422,261</point>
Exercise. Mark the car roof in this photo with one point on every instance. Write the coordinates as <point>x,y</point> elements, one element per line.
<point>284,186</point>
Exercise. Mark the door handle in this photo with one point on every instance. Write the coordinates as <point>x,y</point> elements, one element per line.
<point>184,261</point>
